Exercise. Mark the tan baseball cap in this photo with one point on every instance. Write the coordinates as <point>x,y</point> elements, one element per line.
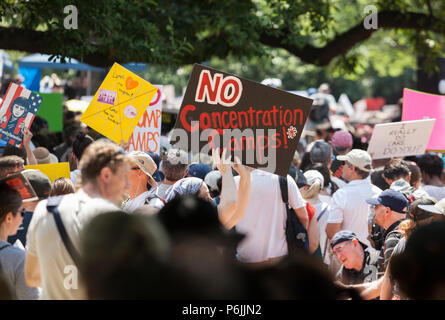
<point>359,158</point>
<point>146,164</point>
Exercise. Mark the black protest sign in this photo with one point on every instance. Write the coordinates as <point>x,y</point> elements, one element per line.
<point>259,123</point>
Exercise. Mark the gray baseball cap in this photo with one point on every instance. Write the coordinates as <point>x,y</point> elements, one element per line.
<point>438,208</point>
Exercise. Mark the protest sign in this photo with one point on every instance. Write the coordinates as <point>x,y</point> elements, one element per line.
<point>400,139</point>
<point>53,170</point>
<point>420,105</point>
<point>51,110</point>
<point>344,101</point>
<point>260,124</point>
<point>146,136</point>
<point>17,112</point>
<point>20,183</point>
<point>119,103</point>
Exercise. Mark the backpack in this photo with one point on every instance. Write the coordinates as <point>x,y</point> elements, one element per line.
<point>320,108</point>
<point>296,235</point>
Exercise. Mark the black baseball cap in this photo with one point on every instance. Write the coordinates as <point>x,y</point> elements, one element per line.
<point>344,235</point>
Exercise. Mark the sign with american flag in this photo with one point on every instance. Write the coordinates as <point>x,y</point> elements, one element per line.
<point>17,112</point>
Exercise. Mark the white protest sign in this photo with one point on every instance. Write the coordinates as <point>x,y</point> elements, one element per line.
<point>400,139</point>
<point>344,101</point>
<point>147,134</point>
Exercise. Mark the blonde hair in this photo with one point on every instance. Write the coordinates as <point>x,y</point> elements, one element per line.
<point>409,225</point>
<point>312,191</point>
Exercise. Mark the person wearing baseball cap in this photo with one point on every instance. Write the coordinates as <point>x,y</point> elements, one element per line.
<point>360,263</point>
<point>341,143</point>
<point>142,184</point>
<point>356,159</point>
<point>198,170</point>
<point>388,210</point>
<point>349,210</point>
<point>437,209</point>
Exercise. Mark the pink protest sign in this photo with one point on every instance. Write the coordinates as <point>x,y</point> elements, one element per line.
<point>420,105</point>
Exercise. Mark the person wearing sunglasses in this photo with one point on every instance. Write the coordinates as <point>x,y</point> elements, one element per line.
<point>388,210</point>
<point>142,186</point>
<point>12,258</point>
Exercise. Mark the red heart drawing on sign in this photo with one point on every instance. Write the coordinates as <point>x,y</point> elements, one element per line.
<point>130,83</point>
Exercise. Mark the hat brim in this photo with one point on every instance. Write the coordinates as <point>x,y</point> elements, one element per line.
<point>430,208</point>
<point>373,201</point>
<point>53,158</point>
<point>151,181</point>
<point>342,158</point>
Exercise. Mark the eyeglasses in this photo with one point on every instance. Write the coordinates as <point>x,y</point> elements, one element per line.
<point>339,249</point>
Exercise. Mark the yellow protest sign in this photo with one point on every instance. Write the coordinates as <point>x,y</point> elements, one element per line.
<point>119,103</point>
<point>53,170</point>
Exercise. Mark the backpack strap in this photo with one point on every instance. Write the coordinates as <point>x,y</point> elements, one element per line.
<point>53,207</point>
<point>323,211</point>
<point>326,244</point>
<point>284,191</point>
<point>6,245</point>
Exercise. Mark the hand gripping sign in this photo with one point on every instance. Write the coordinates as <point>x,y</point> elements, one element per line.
<point>259,124</point>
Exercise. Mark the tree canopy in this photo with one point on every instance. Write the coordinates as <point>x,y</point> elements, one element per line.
<point>169,32</point>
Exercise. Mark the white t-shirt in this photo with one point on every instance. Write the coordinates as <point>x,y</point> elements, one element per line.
<point>43,241</point>
<point>264,221</point>
<point>132,204</point>
<point>435,192</point>
<point>349,207</point>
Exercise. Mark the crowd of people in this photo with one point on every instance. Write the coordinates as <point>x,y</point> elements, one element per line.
<point>138,225</point>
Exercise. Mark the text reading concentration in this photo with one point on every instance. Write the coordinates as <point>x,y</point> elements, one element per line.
<point>255,117</point>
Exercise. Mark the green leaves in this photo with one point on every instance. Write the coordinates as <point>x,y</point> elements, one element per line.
<point>173,32</point>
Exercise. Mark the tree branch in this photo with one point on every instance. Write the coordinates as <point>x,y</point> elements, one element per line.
<point>345,41</point>
<point>43,41</point>
<point>37,42</point>
<point>430,9</point>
